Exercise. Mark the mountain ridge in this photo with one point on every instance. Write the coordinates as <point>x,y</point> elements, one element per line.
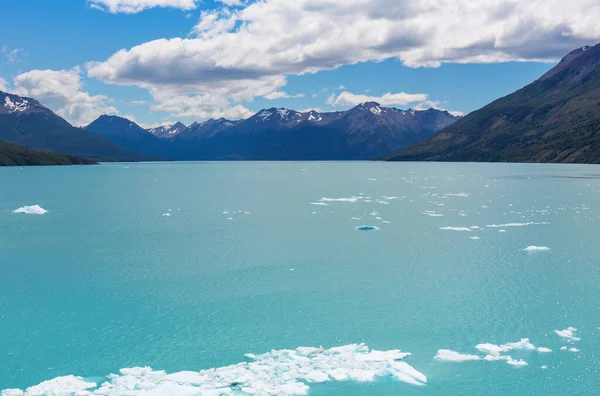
<point>556,118</point>
<point>362,132</point>
<point>27,123</point>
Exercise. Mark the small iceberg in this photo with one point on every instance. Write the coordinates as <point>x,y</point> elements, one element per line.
<point>33,209</point>
<point>367,228</point>
<point>534,249</point>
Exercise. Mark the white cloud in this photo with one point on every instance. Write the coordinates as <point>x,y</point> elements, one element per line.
<point>350,99</point>
<point>3,85</point>
<point>282,95</point>
<point>278,37</point>
<point>61,91</point>
<point>13,55</point>
<point>138,102</point>
<point>433,104</point>
<point>246,52</point>
<point>201,107</point>
<point>135,6</point>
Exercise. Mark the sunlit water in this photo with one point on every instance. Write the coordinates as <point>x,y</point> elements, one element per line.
<point>191,266</point>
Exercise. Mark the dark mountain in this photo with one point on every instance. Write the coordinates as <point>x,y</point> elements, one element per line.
<point>168,131</point>
<point>12,154</point>
<point>554,119</point>
<point>364,132</point>
<point>129,135</point>
<point>206,129</point>
<point>25,122</point>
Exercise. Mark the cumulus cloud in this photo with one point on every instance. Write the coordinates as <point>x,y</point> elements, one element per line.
<point>282,95</point>
<point>351,99</point>
<point>3,85</point>
<point>434,104</point>
<point>135,6</point>
<point>201,107</point>
<point>62,91</point>
<point>245,52</point>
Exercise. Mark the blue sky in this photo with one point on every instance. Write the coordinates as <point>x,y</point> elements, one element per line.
<point>189,60</point>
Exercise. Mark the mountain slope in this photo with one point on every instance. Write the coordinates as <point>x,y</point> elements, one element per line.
<point>364,132</point>
<point>11,154</point>
<point>24,121</point>
<point>130,135</point>
<point>554,119</point>
<point>168,131</point>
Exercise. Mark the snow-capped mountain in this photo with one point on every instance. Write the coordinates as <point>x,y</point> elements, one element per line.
<point>168,131</point>
<point>24,121</point>
<point>13,104</point>
<point>366,131</point>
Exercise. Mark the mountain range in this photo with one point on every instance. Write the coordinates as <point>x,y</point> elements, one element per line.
<point>363,132</point>
<point>25,122</point>
<point>554,119</point>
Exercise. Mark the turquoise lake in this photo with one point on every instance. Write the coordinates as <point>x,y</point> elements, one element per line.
<point>185,267</point>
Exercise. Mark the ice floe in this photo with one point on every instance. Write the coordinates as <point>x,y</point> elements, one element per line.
<point>67,385</point>
<point>319,203</point>
<point>447,355</point>
<point>568,334</point>
<point>474,238</point>
<point>544,350</point>
<point>367,228</point>
<point>573,350</point>
<point>516,224</point>
<point>33,209</point>
<point>279,372</point>
<point>462,195</point>
<point>460,229</point>
<point>534,249</point>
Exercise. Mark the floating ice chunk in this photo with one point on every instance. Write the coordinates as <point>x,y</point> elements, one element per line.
<point>544,350</point>
<point>386,222</point>
<point>367,228</point>
<point>166,214</point>
<point>33,209</point>
<point>474,238</point>
<point>534,249</point>
<point>563,348</point>
<point>493,349</point>
<point>501,230</point>
<point>12,392</point>
<point>460,229</point>
<point>515,225</point>
<point>60,386</point>
<point>352,199</point>
<point>356,218</point>
<point>319,203</point>
<point>447,355</point>
<point>432,214</point>
<point>573,350</point>
<point>519,362</point>
<point>279,372</point>
<point>463,195</point>
<point>544,367</point>
<point>568,334</point>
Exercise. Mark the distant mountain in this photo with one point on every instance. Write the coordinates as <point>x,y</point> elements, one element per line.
<point>364,132</point>
<point>206,129</point>
<point>168,131</point>
<point>130,135</point>
<point>25,122</point>
<point>554,119</point>
<point>11,154</point>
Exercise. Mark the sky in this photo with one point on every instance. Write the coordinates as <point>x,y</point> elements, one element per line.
<point>160,61</point>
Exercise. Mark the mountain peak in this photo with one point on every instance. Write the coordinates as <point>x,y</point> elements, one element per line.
<point>14,104</point>
<point>572,59</point>
<point>274,114</point>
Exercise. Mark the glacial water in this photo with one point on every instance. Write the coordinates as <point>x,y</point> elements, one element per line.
<point>160,272</point>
